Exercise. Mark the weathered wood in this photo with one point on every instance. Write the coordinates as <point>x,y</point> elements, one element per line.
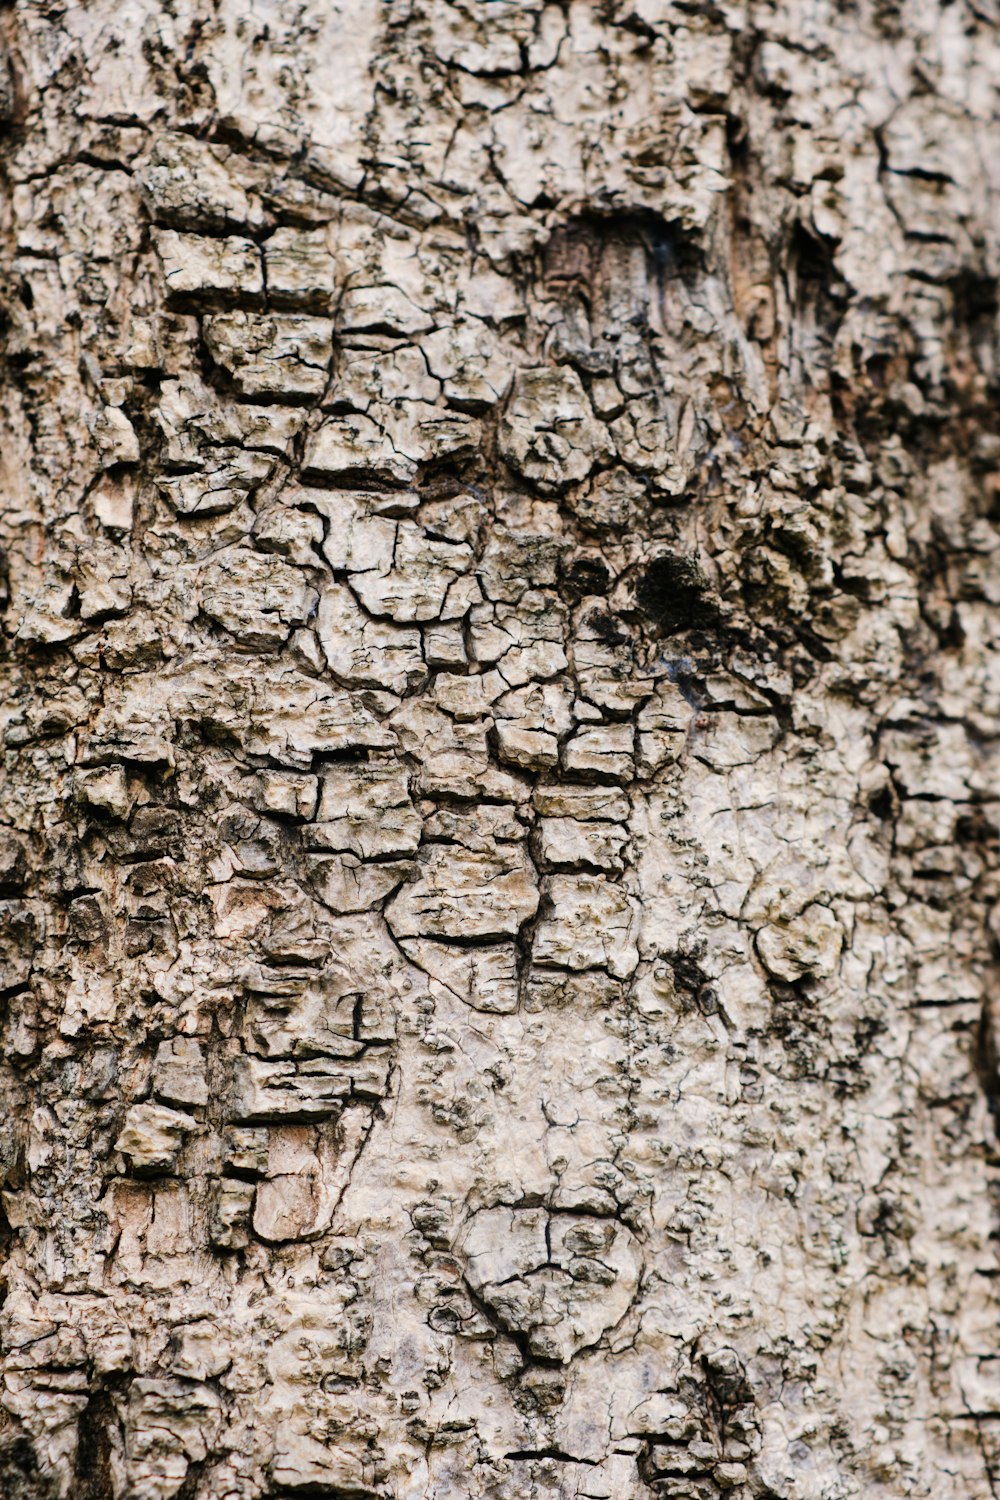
<point>500,702</point>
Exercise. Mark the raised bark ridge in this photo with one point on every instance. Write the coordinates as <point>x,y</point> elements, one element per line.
<point>500,708</point>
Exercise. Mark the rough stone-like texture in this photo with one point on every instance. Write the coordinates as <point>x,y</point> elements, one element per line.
<point>500,699</point>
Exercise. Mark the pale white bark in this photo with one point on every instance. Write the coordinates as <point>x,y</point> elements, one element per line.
<point>500,707</point>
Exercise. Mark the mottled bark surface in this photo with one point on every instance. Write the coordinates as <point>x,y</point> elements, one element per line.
<point>499,509</point>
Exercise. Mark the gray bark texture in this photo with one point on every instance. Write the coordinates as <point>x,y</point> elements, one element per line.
<point>500,698</point>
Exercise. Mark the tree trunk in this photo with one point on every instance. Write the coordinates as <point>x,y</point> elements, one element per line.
<point>500,683</point>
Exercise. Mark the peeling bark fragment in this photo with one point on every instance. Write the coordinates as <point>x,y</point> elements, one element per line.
<point>512,560</point>
<point>531,749</point>
<point>290,718</point>
<point>347,884</point>
<point>302,1012</point>
<point>304,1465</point>
<point>153,1135</point>
<point>566,843</point>
<point>372,377</point>
<point>195,421</point>
<point>524,643</point>
<point>115,437</point>
<point>227,479</point>
<point>602,752</point>
<point>179,1072</point>
<point>366,809</point>
<point>355,448</point>
<point>587,923</point>
<point>197,268</point>
<point>300,269</point>
<point>484,977</point>
<point>421,583</point>
<point>170,1424</point>
<point>257,599</point>
<point>279,357</point>
<point>366,652</point>
<point>463,895</point>
<point>471,364</point>
<point>189,183</point>
<point>560,1281</point>
<point>549,433</point>
<point>382,308</point>
<point>454,758</point>
<point>809,944</point>
<point>280,1091</point>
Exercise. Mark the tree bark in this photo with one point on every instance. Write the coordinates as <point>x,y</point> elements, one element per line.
<point>499,817</point>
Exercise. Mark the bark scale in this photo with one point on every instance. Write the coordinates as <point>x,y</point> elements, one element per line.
<point>500,701</point>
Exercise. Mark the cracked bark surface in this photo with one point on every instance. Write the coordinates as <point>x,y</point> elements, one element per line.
<point>498,831</point>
